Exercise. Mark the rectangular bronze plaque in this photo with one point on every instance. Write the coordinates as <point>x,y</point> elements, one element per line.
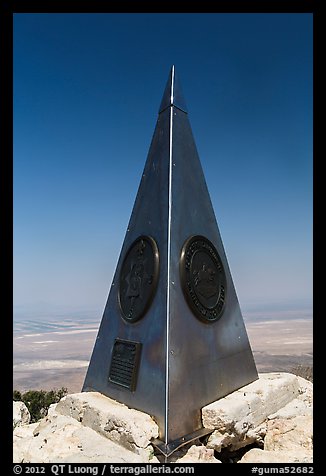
<point>124,363</point>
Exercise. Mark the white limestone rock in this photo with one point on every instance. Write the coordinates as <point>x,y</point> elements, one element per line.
<point>233,441</point>
<point>251,405</point>
<point>287,440</point>
<point>237,417</point>
<point>257,455</point>
<point>302,405</point>
<point>51,409</point>
<point>58,439</point>
<point>21,415</point>
<point>24,431</point>
<point>131,428</point>
<point>305,391</point>
<point>198,454</point>
<point>275,411</point>
<point>294,408</point>
<point>293,434</point>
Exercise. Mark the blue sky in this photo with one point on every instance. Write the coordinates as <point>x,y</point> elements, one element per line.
<point>87,88</point>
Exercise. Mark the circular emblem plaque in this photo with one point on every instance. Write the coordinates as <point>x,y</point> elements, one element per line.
<point>138,278</point>
<point>203,278</point>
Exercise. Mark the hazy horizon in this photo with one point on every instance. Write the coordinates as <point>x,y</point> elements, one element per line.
<point>42,311</point>
<point>55,352</point>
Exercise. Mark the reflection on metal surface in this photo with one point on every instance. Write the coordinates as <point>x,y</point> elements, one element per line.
<point>203,278</point>
<point>138,278</point>
<point>186,361</point>
<point>125,363</point>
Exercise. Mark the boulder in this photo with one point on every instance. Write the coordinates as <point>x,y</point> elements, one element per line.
<point>237,418</point>
<point>233,440</point>
<point>275,411</point>
<point>21,415</point>
<point>198,454</point>
<point>293,434</point>
<point>294,408</point>
<point>59,439</point>
<point>305,391</point>
<point>51,409</point>
<point>24,431</point>
<point>130,428</point>
<point>257,455</point>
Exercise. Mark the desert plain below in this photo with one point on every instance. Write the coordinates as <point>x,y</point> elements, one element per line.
<point>51,354</point>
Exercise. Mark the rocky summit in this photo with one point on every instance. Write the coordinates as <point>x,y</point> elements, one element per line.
<point>267,421</point>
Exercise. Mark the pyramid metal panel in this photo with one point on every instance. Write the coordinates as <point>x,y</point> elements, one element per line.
<point>150,218</point>
<point>173,95</point>
<point>172,325</point>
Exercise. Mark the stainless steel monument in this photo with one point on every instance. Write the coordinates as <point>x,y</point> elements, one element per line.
<point>172,338</point>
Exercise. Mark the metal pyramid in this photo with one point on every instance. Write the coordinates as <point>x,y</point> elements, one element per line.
<point>172,337</point>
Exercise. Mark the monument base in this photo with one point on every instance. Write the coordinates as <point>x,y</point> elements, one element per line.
<point>168,449</point>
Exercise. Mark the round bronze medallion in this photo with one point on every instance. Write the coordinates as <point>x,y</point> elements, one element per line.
<point>203,278</point>
<point>138,278</point>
